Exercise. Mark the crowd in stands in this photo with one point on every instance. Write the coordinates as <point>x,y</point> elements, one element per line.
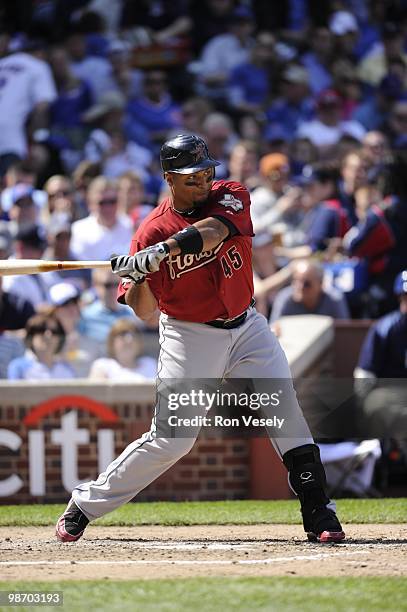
<point>304,102</point>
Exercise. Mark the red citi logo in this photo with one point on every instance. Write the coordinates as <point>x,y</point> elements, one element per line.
<point>68,437</point>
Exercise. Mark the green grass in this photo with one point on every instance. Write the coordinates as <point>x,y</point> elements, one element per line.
<point>227,594</point>
<point>213,513</point>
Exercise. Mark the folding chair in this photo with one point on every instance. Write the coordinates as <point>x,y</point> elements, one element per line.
<point>350,467</point>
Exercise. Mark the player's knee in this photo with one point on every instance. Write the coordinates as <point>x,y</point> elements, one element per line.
<point>175,448</point>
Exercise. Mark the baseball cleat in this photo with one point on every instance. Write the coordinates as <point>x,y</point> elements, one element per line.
<point>325,526</point>
<point>71,524</point>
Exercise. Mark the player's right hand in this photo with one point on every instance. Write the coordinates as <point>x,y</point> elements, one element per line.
<point>123,266</point>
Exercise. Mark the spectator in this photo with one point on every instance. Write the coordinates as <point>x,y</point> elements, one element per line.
<point>30,243</point>
<point>104,231</point>
<point>346,81</point>
<point>98,317</point>
<point>250,81</point>
<point>375,150</point>
<point>45,338</point>
<point>23,211</point>
<point>155,24</point>
<point>344,26</point>
<point>21,172</point>
<point>383,354</point>
<point>10,348</point>
<point>128,81</point>
<point>243,164</point>
<point>318,59</point>
<point>131,197</point>
<point>154,113</point>
<point>107,143</point>
<point>381,239</point>
<point>210,18</point>
<point>373,112</point>
<point>373,67</point>
<point>326,129</point>
<point>79,351</point>
<point>59,236</point>
<point>397,124</point>
<point>354,174</point>
<point>264,262</point>
<point>275,201</point>
<point>365,197</point>
<point>382,360</point>
<point>125,359</point>
<point>294,106</point>
<point>61,198</point>
<point>14,310</point>
<point>276,139</point>
<point>223,53</point>
<point>74,98</point>
<point>193,114</point>
<point>95,71</point>
<point>302,153</point>
<point>26,92</point>
<point>220,136</point>
<point>306,295</point>
<point>326,219</point>
<point>82,177</point>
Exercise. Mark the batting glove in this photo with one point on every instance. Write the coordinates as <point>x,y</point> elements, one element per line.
<point>122,265</point>
<point>144,262</point>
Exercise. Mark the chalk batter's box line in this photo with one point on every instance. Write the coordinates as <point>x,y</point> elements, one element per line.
<point>267,561</point>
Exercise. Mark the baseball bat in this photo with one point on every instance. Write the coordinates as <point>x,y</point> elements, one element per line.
<point>36,266</point>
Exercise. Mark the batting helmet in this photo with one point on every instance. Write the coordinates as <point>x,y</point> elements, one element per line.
<point>185,154</point>
<point>400,284</point>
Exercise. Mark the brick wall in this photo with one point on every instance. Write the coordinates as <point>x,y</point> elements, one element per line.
<point>214,469</point>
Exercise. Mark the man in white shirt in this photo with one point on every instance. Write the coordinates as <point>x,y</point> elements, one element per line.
<point>327,128</point>
<point>26,87</point>
<point>104,231</point>
<point>223,52</point>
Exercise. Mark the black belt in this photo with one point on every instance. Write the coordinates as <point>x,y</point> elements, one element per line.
<point>231,323</point>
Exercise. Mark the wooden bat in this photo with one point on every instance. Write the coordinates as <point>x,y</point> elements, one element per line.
<point>35,266</point>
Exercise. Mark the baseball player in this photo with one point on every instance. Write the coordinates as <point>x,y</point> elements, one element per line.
<point>191,258</point>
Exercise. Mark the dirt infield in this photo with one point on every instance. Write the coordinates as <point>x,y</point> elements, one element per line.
<point>33,553</point>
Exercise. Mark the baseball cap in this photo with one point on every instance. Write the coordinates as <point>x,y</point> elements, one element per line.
<point>343,22</point>
<point>61,293</point>
<point>311,174</point>
<point>328,97</point>
<point>296,74</point>
<point>32,235</point>
<point>274,162</point>
<point>400,284</point>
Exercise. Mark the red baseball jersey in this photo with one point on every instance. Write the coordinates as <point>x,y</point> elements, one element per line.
<point>213,284</point>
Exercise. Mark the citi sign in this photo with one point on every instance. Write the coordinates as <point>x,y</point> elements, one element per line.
<point>68,437</point>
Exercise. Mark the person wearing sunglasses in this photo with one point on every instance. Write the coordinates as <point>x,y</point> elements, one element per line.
<point>44,340</point>
<point>104,231</point>
<point>125,360</point>
<point>306,294</point>
<point>98,317</point>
